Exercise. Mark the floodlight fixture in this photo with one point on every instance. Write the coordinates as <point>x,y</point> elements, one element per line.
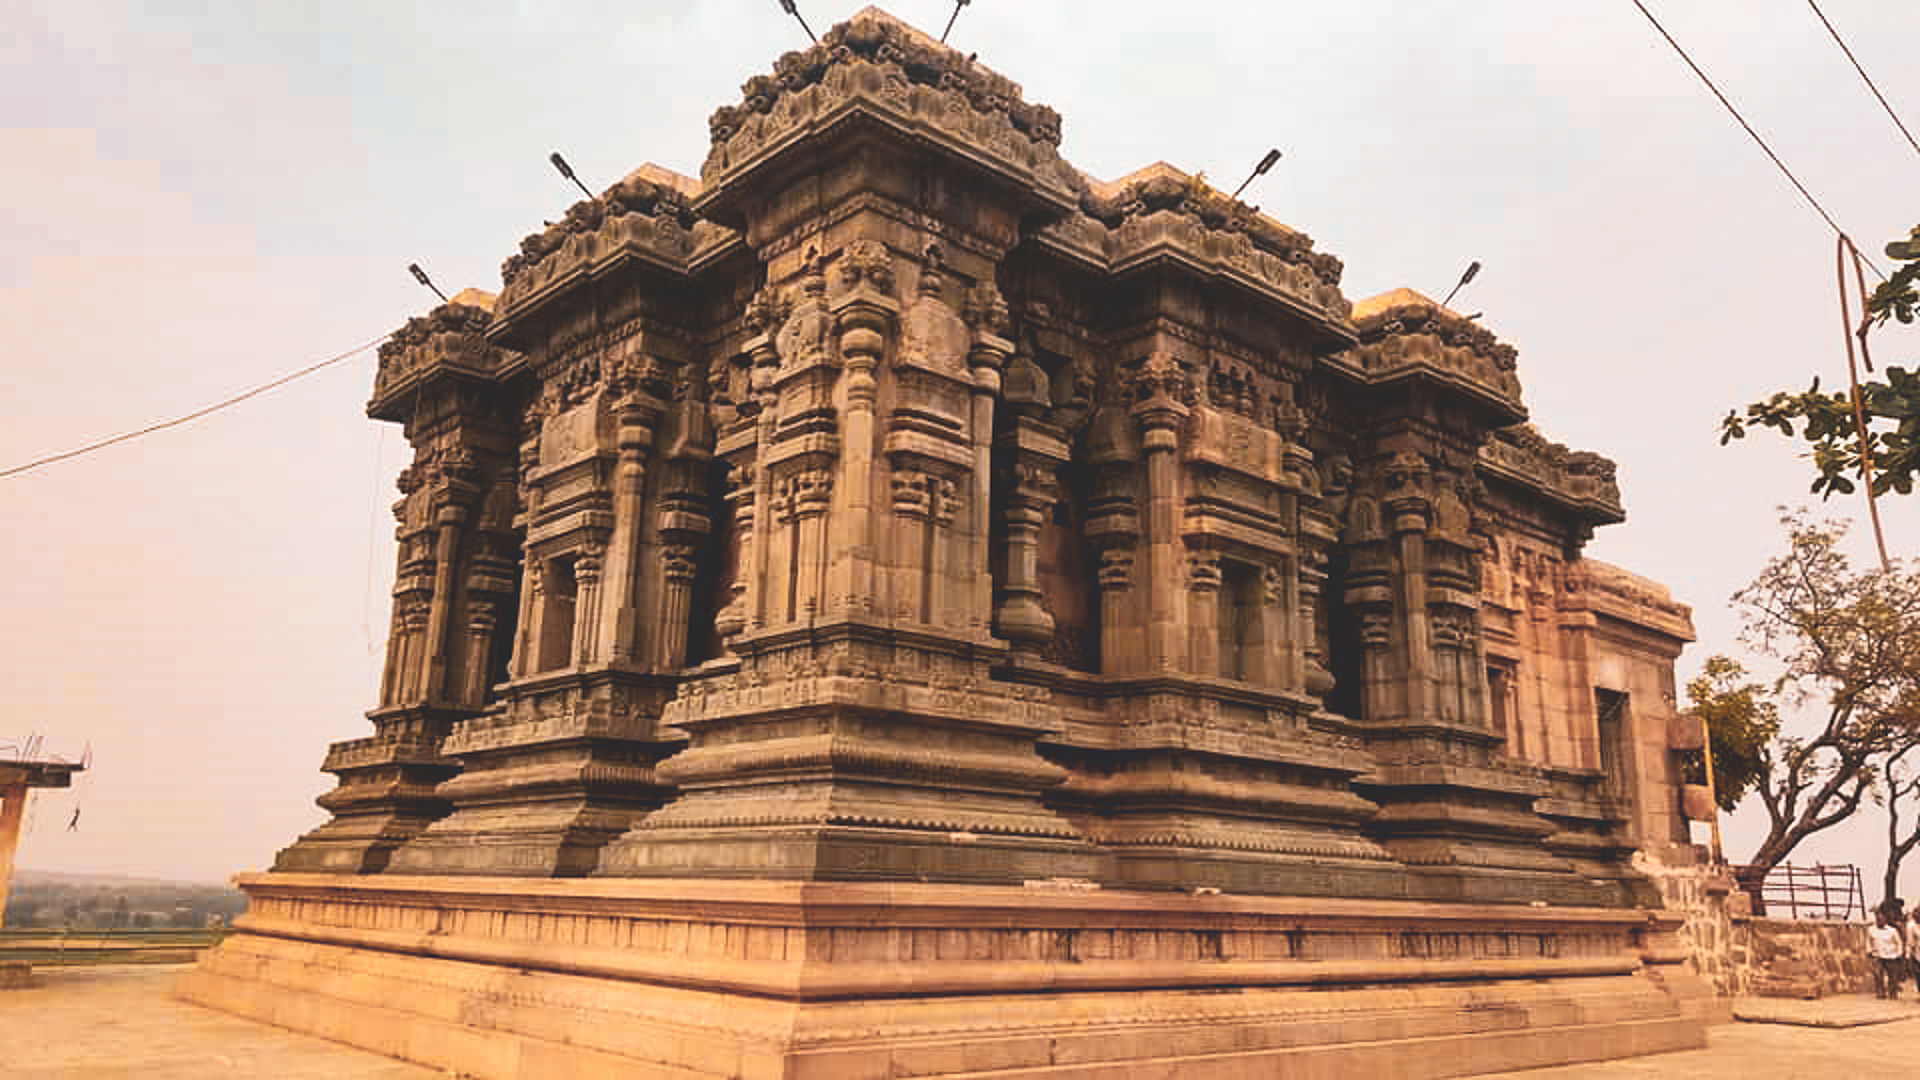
<point>957,5</point>
<point>560,164</point>
<point>792,8</point>
<point>420,276</point>
<point>1266,163</point>
<point>1473,270</point>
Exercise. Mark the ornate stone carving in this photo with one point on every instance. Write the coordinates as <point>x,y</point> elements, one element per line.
<point>805,339</point>
<point>984,309</point>
<point>866,261</point>
<point>1203,571</point>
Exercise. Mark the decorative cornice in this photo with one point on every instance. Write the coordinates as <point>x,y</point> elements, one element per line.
<point>877,65</point>
<point>638,216</point>
<point>450,337</point>
<point>1162,211</point>
<point>1403,333</point>
<point>1191,197</point>
<point>1576,479</point>
<point>875,37</point>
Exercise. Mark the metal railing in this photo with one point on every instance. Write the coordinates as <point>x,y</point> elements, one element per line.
<point>1818,892</point>
<point>67,946</point>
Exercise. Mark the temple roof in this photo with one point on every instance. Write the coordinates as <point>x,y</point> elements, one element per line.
<point>477,298</point>
<point>1393,298</point>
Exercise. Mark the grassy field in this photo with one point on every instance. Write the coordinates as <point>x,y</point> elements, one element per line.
<point>61,948</point>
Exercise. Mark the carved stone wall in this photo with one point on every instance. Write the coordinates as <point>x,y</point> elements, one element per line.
<point>898,605</point>
<point>896,501</point>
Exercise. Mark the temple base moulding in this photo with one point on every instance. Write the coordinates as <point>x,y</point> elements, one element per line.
<point>502,977</point>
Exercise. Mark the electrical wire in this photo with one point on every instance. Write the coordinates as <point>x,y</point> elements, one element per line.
<point>194,415</point>
<point>1864,77</point>
<point>1748,128</point>
<point>1843,251</point>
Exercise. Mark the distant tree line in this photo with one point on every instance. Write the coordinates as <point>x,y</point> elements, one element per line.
<point>120,905</point>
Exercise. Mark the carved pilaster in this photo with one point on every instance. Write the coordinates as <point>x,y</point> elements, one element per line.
<point>1020,617</point>
<point>985,313</point>
<point>1162,395</point>
<point>636,413</point>
<point>732,617</point>
<point>587,567</point>
<point>864,309</point>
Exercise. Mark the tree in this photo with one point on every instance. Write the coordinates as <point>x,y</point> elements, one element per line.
<point>1902,781</point>
<point>1849,643</point>
<point>1742,719</point>
<point>1891,406</point>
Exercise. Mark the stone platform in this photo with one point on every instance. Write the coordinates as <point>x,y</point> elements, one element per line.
<point>650,977</point>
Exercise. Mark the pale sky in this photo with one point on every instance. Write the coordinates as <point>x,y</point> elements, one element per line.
<point>196,198</point>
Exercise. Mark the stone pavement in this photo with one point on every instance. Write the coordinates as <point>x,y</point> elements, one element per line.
<point>1850,1038</point>
<point>121,1021</point>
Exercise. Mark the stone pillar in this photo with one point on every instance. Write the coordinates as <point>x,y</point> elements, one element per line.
<point>624,623</point>
<point>1161,391</point>
<point>13,807</point>
<point>732,617</point>
<point>1275,657</point>
<point>1032,489</point>
<point>526,645</point>
<point>1113,530</point>
<point>1205,643</point>
<point>587,568</point>
<point>452,516</point>
<point>864,313</point>
<point>417,620</point>
<point>483,618</point>
<point>1407,502</point>
<point>986,313</point>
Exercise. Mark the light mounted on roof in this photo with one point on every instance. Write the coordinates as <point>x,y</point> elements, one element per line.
<point>1266,163</point>
<point>420,276</point>
<point>792,8</point>
<point>1473,270</point>
<point>957,5</point>
<point>566,170</point>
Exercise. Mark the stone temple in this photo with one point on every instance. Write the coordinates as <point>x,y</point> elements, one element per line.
<point>899,606</point>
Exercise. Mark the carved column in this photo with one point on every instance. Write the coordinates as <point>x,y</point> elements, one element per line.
<point>864,312</point>
<point>454,499</point>
<point>1161,391</point>
<point>1019,617</point>
<point>1113,530</point>
<point>587,567</point>
<point>986,313</point>
<point>732,617</point>
<point>1408,506</point>
<point>1272,654</point>
<point>1206,643</point>
<point>483,619</point>
<point>756,527</point>
<point>625,625</point>
<point>532,617</point>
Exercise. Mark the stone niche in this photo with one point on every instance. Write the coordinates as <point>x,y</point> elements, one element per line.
<point>898,606</point>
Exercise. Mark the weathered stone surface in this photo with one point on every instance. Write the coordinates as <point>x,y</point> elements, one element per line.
<point>897,508</point>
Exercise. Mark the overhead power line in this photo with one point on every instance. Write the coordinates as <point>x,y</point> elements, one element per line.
<point>1748,128</point>
<point>1864,77</point>
<point>196,414</point>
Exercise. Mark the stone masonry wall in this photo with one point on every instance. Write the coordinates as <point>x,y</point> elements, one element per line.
<point>1742,956</point>
<point>1690,886</point>
<point>1777,958</point>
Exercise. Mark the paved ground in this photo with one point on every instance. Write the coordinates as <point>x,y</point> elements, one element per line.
<point>120,1021</point>
<point>1850,1038</point>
